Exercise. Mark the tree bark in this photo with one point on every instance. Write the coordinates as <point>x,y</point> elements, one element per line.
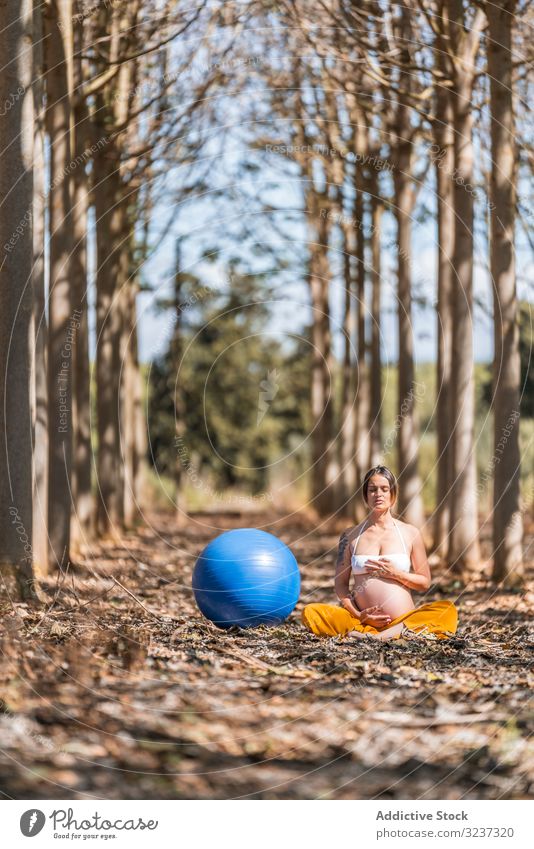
<point>322,363</point>
<point>177,345</point>
<point>410,504</point>
<point>62,325</point>
<point>375,412</point>
<point>130,380</point>
<point>317,210</point>
<point>507,518</point>
<point>110,225</point>
<point>83,513</point>
<point>363,402</point>
<point>443,157</point>
<point>463,549</point>
<point>348,401</point>
<point>128,408</point>
<point>16,300</point>
<point>141,436</point>
<point>40,332</point>
<point>112,245</point>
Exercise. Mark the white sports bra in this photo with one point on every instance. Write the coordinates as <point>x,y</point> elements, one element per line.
<point>402,561</point>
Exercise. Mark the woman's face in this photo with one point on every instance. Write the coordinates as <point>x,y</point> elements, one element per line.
<point>379,493</point>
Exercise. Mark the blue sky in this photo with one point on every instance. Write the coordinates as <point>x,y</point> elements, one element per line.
<point>212,220</point>
<point>207,222</point>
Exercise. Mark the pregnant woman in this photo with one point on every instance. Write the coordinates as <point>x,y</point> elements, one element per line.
<point>387,559</point>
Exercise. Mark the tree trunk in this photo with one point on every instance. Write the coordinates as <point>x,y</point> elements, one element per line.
<point>375,412</point>
<point>62,325</point>
<point>361,390</point>
<point>410,504</point>
<point>444,164</point>
<point>463,548</point>
<point>317,207</point>
<point>141,437</point>
<point>112,247</point>
<point>16,301</point>
<point>40,333</point>
<point>110,225</point>
<point>410,501</point>
<point>507,518</point>
<point>348,402</point>
<point>132,422</point>
<point>83,513</point>
<point>321,373</point>
<point>363,402</point>
<point>128,410</point>
<point>176,350</point>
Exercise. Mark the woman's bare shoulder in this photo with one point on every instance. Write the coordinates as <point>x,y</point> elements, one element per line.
<point>350,533</point>
<point>409,532</point>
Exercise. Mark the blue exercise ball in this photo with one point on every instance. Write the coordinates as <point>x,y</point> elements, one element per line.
<point>246,577</point>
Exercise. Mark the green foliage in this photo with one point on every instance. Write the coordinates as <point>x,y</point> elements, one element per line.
<point>236,393</point>
<point>233,390</point>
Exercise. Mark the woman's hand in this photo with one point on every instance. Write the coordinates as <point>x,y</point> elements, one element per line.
<point>374,616</point>
<point>383,568</point>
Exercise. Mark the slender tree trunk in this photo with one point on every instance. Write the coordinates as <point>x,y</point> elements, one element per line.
<point>410,500</point>
<point>363,402</point>
<point>410,504</point>
<point>141,437</point>
<point>463,548</point>
<point>128,407</point>
<point>507,518</point>
<point>83,514</point>
<point>16,301</point>
<point>375,412</point>
<point>179,398</point>
<point>321,375</point>
<point>112,244</point>
<point>130,380</point>
<point>139,417</point>
<point>317,207</point>
<point>40,358</point>
<point>62,325</point>
<point>348,401</point>
<point>82,453</point>
<point>444,165</point>
<point>110,225</point>
<point>362,389</point>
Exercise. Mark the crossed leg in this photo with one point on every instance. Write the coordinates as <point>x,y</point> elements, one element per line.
<point>436,617</point>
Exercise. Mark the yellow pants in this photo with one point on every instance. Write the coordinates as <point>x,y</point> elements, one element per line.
<point>436,617</point>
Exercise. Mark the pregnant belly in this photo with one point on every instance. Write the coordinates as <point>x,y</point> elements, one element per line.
<point>394,599</point>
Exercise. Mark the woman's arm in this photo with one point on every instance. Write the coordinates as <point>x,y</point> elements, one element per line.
<point>342,579</point>
<point>420,578</point>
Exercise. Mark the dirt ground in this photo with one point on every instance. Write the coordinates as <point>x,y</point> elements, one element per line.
<point>118,688</point>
